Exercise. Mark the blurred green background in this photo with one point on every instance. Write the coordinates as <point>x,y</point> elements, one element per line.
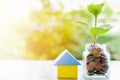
<point>50,28</point>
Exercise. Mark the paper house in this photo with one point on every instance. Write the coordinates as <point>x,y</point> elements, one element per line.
<point>67,65</point>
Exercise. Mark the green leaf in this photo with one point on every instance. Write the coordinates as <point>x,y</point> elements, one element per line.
<point>80,22</point>
<point>95,9</point>
<point>96,31</point>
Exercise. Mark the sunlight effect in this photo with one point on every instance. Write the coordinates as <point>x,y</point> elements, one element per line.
<point>12,14</point>
<point>13,9</point>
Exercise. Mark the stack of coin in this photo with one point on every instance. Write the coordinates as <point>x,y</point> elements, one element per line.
<point>97,61</point>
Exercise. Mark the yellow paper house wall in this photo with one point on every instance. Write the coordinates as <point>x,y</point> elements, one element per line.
<point>67,65</point>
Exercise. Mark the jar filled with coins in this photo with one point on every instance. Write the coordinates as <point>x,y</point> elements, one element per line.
<point>96,61</point>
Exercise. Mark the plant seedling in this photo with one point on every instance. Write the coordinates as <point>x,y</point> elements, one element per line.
<point>96,9</point>
<point>96,55</point>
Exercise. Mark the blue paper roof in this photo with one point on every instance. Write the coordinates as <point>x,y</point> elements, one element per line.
<point>66,59</point>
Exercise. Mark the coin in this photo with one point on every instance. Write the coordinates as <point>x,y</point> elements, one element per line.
<point>102,55</point>
<point>103,59</point>
<point>96,53</point>
<point>105,67</point>
<point>90,57</point>
<point>90,73</point>
<point>97,60</point>
<point>98,72</point>
<point>91,66</point>
<point>98,66</point>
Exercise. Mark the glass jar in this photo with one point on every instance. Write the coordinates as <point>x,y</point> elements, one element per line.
<point>96,61</point>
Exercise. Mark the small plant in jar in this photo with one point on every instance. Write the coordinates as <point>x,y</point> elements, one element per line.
<point>96,58</point>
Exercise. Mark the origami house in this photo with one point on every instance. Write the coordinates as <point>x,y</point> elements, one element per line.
<point>67,66</point>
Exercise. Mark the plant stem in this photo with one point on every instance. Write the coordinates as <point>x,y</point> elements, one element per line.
<point>95,37</point>
<point>94,40</point>
<point>95,21</point>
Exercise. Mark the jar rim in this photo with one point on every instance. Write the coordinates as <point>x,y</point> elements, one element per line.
<point>102,46</point>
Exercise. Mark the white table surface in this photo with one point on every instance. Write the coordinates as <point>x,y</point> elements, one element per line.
<point>41,70</point>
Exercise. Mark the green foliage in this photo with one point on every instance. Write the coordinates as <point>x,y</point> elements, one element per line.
<point>96,31</point>
<point>80,22</point>
<point>95,9</point>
